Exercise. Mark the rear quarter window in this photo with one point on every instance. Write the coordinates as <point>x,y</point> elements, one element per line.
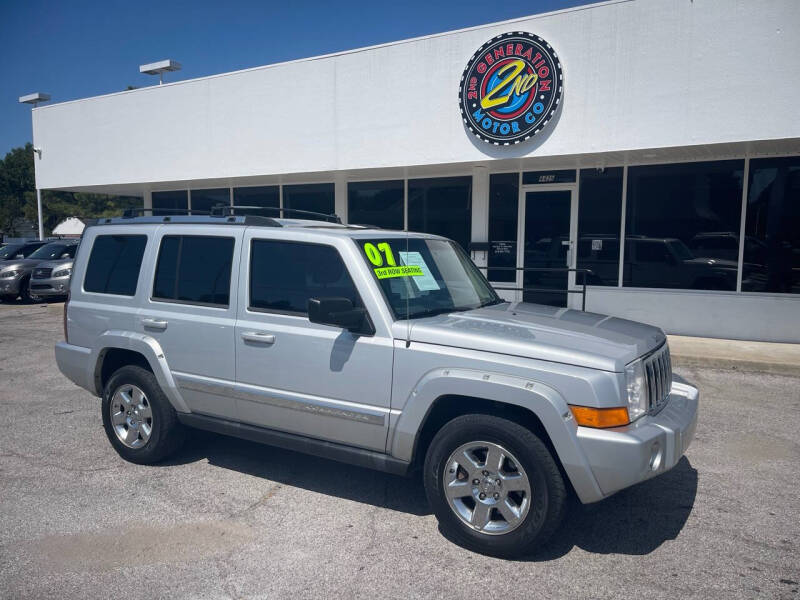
<point>114,264</point>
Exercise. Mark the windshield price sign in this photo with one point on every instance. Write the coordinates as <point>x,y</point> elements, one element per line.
<point>381,255</point>
<point>511,88</point>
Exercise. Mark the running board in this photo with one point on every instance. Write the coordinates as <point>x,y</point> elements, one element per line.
<point>322,448</point>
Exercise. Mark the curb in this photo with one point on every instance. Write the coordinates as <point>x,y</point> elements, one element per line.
<point>735,364</point>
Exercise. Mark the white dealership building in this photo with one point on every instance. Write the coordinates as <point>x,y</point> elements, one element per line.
<point>670,124</point>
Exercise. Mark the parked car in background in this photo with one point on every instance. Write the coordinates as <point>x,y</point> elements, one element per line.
<point>50,279</point>
<point>15,274</point>
<point>20,249</point>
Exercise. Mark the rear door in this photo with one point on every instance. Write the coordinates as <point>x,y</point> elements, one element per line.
<point>293,375</point>
<point>190,310</point>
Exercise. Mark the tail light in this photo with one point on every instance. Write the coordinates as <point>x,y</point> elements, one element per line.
<point>66,304</point>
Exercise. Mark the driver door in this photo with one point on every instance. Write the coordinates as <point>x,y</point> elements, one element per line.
<point>292,375</point>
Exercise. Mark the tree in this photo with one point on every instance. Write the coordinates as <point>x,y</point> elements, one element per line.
<point>17,186</point>
<point>18,197</point>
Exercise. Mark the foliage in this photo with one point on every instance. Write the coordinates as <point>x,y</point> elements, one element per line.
<point>18,197</point>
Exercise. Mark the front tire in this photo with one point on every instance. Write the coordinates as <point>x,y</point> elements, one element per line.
<point>493,485</point>
<point>138,418</point>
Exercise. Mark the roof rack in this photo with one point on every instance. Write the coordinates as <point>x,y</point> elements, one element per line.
<point>130,213</point>
<point>226,211</point>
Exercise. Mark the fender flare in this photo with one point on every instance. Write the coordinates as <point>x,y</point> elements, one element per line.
<point>148,347</point>
<point>541,399</point>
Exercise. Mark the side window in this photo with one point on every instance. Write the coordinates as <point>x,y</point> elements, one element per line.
<point>284,275</point>
<point>114,264</point>
<point>194,269</point>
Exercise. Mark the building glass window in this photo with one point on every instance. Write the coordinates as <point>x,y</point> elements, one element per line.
<point>205,200</point>
<point>266,196</point>
<point>316,197</point>
<point>599,221</point>
<point>193,268</point>
<point>441,206</point>
<point>284,275</point>
<point>772,230</point>
<point>503,213</point>
<point>114,264</point>
<point>677,221</point>
<point>165,203</point>
<point>378,203</point>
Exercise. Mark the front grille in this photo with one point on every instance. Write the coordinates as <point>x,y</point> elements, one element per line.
<point>40,286</point>
<point>42,273</point>
<point>658,377</point>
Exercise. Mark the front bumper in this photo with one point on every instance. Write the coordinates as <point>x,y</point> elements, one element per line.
<point>652,445</point>
<point>52,286</point>
<point>10,286</point>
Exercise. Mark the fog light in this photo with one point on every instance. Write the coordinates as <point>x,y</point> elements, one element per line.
<point>655,456</point>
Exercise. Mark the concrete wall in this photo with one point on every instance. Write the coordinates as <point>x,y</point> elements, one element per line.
<point>638,74</point>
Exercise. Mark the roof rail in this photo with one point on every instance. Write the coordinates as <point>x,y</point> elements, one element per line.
<point>225,210</point>
<point>130,213</point>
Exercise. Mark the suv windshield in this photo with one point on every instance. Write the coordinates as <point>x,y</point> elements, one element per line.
<point>425,277</point>
<point>10,251</point>
<point>54,251</point>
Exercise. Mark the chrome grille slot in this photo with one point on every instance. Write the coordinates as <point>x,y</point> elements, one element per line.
<point>658,373</point>
<point>42,273</point>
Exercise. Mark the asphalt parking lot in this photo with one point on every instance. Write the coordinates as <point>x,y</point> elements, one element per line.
<point>232,519</point>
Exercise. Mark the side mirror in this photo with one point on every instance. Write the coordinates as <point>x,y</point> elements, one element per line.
<point>66,255</point>
<point>338,312</point>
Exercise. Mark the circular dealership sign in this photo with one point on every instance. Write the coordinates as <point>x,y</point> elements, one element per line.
<point>511,88</point>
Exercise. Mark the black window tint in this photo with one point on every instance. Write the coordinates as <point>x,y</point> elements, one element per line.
<point>680,209</point>
<point>169,202</point>
<point>114,264</point>
<point>194,269</point>
<point>503,205</point>
<point>772,230</point>
<point>599,221</point>
<point>441,206</point>
<point>205,200</point>
<point>284,275</point>
<point>258,196</point>
<point>315,197</point>
<point>378,203</point>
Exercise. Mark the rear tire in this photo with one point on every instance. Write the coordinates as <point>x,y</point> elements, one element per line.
<point>508,510</point>
<point>138,418</point>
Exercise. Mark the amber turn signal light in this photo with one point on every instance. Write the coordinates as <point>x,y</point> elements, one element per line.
<point>600,417</point>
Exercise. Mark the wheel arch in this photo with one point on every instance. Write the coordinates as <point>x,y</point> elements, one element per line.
<point>447,393</point>
<point>118,348</point>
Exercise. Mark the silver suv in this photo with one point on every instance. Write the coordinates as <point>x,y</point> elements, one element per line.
<point>378,348</point>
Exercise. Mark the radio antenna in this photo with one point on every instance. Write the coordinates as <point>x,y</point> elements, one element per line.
<point>408,296</point>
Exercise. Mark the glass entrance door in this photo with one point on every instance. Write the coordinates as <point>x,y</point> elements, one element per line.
<point>546,246</point>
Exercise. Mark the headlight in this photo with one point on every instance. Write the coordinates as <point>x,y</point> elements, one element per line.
<point>8,274</point>
<point>637,390</point>
<point>62,272</point>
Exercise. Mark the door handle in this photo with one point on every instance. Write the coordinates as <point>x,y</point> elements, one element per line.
<point>154,323</point>
<point>258,337</point>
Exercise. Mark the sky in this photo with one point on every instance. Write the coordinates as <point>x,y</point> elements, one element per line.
<point>75,49</point>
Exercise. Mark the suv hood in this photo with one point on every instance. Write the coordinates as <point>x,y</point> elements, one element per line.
<point>540,332</point>
<point>21,264</point>
<point>54,264</point>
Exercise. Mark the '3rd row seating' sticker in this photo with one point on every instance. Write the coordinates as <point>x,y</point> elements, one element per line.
<point>413,265</point>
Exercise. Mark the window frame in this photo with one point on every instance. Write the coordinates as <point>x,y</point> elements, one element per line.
<point>249,308</point>
<point>215,305</point>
